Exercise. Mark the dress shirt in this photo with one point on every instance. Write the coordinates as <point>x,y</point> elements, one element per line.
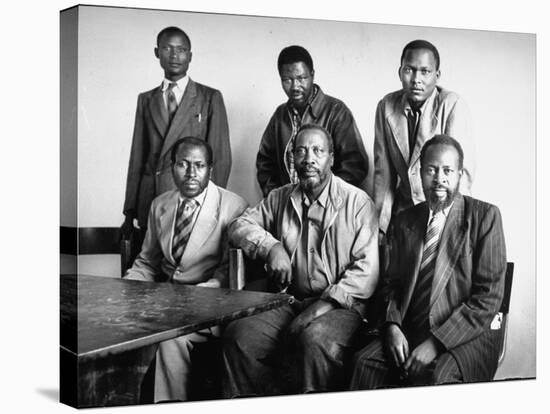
<point>178,90</point>
<point>309,274</point>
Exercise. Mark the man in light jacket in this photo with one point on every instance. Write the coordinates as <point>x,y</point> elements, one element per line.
<point>319,240</point>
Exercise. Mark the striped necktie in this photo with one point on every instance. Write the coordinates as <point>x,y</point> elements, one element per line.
<point>183,227</point>
<point>171,101</point>
<point>420,300</point>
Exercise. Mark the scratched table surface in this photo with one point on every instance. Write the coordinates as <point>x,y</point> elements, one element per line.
<point>104,316</point>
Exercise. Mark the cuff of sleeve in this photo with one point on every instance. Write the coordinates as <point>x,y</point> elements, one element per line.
<point>134,276</point>
<point>265,247</point>
<point>336,294</point>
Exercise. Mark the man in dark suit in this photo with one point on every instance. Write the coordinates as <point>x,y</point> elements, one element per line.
<point>177,108</point>
<point>307,104</point>
<point>186,243</point>
<point>444,285</point>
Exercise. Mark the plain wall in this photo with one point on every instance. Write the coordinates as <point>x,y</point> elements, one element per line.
<point>357,62</point>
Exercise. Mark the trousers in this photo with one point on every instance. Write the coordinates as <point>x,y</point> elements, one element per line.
<point>173,364</point>
<point>371,370</point>
<point>260,358</point>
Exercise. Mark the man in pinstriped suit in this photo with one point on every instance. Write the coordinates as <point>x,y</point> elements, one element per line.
<point>444,285</point>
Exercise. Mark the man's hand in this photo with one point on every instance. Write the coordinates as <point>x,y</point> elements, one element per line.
<point>279,267</point>
<point>211,283</point>
<point>422,356</point>
<point>313,311</point>
<point>127,228</point>
<point>397,344</point>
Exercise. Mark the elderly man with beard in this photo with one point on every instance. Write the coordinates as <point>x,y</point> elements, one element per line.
<point>444,285</point>
<point>319,239</point>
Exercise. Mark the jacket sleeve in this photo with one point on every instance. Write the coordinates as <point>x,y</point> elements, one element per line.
<point>147,263</point>
<point>392,282</point>
<point>222,272</point>
<point>385,176</point>
<point>136,163</point>
<point>251,231</point>
<point>474,315</point>
<point>358,280</point>
<point>458,126</point>
<point>267,170</point>
<point>350,158</point>
<point>218,138</point>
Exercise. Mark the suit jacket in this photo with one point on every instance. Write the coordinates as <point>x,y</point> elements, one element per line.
<point>205,255</point>
<point>350,158</point>
<point>349,245</point>
<point>201,113</point>
<point>468,283</point>
<point>397,182</point>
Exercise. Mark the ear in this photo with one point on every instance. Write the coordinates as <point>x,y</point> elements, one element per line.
<point>437,74</point>
<point>332,159</point>
<point>312,74</point>
<point>190,56</point>
<point>157,52</point>
<point>399,72</point>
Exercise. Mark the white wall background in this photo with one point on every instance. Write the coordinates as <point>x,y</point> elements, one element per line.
<point>356,62</point>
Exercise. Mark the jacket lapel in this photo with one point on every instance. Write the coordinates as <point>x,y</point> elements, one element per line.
<point>205,223</point>
<point>158,111</point>
<point>182,117</point>
<point>451,241</point>
<point>414,246</point>
<point>426,126</point>
<point>400,129</point>
<point>168,212</point>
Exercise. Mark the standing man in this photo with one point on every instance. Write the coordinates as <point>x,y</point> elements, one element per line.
<point>307,104</point>
<point>186,242</point>
<point>444,285</point>
<point>177,108</point>
<point>405,120</point>
<point>319,240</point>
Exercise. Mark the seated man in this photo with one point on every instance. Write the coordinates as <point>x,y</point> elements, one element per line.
<point>186,242</point>
<point>319,239</point>
<point>444,285</point>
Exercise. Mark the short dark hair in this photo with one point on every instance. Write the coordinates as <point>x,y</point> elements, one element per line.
<point>170,31</point>
<point>293,54</point>
<point>307,127</point>
<point>443,140</point>
<point>421,44</point>
<point>196,142</point>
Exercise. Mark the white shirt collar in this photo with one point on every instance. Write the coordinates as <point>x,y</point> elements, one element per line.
<point>181,83</point>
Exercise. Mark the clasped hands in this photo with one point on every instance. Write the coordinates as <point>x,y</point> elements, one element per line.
<point>415,362</point>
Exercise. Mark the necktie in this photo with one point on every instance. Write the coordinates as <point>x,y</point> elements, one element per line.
<point>183,227</point>
<point>413,118</point>
<point>172,104</point>
<point>420,301</point>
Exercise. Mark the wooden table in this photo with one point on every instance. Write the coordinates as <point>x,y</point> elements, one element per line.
<point>110,329</point>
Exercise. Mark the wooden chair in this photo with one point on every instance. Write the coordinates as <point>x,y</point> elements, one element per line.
<point>99,240</point>
<point>504,309</point>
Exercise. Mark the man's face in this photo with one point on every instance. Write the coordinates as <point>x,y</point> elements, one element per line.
<point>191,171</point>
<point>297,82</point>
<point>440,175</point>
<point>174,55</point>
<point>312,160</point>
<point>418,74</point>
